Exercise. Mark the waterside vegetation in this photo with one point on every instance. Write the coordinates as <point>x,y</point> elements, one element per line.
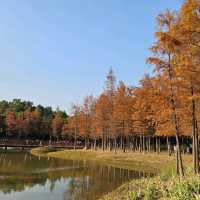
<point>161,184</point>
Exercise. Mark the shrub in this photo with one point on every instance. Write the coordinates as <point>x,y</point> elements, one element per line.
<point>150,192</point>
<point>133,196</point>
<point>188,189</point>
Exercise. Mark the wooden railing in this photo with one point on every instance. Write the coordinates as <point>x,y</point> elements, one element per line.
<point>33,144</point>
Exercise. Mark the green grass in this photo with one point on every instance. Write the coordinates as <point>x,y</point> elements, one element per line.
<point>157,188</point>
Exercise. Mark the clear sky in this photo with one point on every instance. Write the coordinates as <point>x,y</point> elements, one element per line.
<point>54,52</point>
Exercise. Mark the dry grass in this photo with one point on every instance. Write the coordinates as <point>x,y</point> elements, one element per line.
<point>150,162</point>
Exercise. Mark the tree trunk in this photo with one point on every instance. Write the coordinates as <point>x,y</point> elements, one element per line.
<point>75,133</point>
<point>159,145</point>
<point>150,144</point>
<point>194,136</point>
<point>124,148</point>
<point>115,145</point>
<point>95,144</point>
<point>179,159</point>
<point>157,151</point>
<point>197,147</point>
<point>124,145</point>
<point>121,142</point>
<point>85,142</point>
<point>143,143</point>
<point>136,144</point>
<point>103,146</point>
<point>168,146</point>
<point>175,120</point>
<point>109,144</point>
<point>140,144</point>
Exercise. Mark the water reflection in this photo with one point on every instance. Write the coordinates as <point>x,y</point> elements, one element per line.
<point>23,176</point>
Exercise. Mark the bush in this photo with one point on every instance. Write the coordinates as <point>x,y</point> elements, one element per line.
<point>188,189</point>
<point>150,192</point>
<point>133,196</point>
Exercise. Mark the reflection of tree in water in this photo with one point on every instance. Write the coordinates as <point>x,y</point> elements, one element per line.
<point>101,179</point>
<point>19,171</point>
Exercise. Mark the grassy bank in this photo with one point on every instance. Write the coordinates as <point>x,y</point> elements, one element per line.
<point>158,188</point>
<point>145,188</point>
<point>130,160</point>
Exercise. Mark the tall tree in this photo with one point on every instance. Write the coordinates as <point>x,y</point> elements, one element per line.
<point>57,125</point>
<point>85,118</point>
<point>187,32</point>
<point>121,114</point>
<point>109,91</point>
<point>75,122</point>
<point>163,60</point>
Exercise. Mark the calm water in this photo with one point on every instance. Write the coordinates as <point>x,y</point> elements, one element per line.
<point>26,177</point>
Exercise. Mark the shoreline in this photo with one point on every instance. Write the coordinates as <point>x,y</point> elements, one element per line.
<point>150,162</point>
<point>162,165</point>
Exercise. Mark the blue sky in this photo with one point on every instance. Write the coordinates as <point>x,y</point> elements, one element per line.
<point>54,52</point>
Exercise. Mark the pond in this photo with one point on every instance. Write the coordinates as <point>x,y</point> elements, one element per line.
<point>27,177</point>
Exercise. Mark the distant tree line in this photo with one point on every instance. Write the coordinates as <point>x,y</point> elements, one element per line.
<point>23,120</point>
